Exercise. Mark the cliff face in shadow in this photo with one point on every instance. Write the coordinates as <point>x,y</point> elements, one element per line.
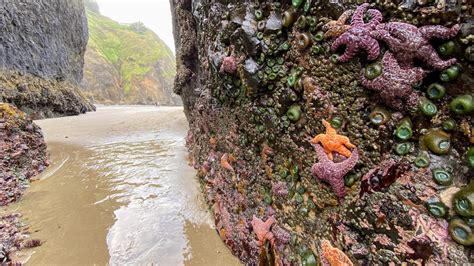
<point>43,40</point>
<point>331,133</point>
<point>127,64</point>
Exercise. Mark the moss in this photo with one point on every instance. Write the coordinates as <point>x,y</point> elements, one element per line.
<point>133,52</point>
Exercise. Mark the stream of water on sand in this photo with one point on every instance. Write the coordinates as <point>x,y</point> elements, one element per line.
<point>119,191</point>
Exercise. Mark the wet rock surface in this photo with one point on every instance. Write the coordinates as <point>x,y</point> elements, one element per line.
<point>407,199</point>
<point>22,156</point>
<point>42,98</point>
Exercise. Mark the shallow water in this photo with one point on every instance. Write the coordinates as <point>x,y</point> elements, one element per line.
<point>119,191</point>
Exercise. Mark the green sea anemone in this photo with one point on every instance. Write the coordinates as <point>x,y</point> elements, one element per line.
<point>470,157</point>
<point>336,122</point>
<point>294,113</point>
<point>437,141</point>
<point>403,148</point>
<point>447,48</point>
<point>289,17</point>
<point>461,232</point>
<point>437,209</point>
<point>449,74</point>
<point>380,116</point>
<point>435,91</point>
<point>427,107</point>
<point>304,40</point>
<point>462,104</point>
<point>308,258</point>
<point>296,3</point>
<point>373,70</point>
<point>404,131</point>
<point>350,180</point>
<point>319,36</point>
<point>422,160</point>
<point>442,177</point>
<point>258,14</point>
<point>449,124</point>
<point>463,201</point>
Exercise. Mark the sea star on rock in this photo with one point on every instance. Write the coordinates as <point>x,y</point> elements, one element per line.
<point>335,28</point>
<point>262,230</point>
<point>408,42</point>
<point>331,141</point>
<point>334,256</point>
<point>358,36</point>
<point>333,173</point>
<point>395,85</point>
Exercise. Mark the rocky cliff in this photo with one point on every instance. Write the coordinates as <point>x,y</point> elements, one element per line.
<point>43,40</point>
<point>329,132</point>
<point>127,64</point>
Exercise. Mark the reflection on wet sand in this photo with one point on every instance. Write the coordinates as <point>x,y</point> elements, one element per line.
<point>120,191</point>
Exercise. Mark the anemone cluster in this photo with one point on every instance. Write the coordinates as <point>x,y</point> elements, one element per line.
<point>306,156</point>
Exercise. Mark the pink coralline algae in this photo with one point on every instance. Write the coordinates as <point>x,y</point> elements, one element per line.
<point>333,173</point>
<point>395,85</point>
<point>279,189</point>
<point>262,230</point>
<point>229,65</point>
<point>358,37</point>
<point>408,42</point>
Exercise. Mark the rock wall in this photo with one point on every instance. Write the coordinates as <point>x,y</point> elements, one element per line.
<point>45,39</point>
<point>330,132</point>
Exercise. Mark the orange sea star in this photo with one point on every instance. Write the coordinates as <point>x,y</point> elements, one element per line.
<point>335,28</point>
<point>334,256</point>
<point>331,141</point>
<point>262,230</point>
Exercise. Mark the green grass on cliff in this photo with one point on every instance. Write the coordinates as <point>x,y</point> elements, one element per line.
<point>133,49</point>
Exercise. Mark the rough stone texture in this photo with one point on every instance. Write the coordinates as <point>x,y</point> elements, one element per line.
<point>45,39</point>
<point>42,98</point>
<point>22,152</point>
<point>250,130</point>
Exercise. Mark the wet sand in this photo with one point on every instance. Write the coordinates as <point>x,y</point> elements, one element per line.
<point>119,191</point>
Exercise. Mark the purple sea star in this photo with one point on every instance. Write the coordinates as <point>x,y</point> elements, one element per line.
<point>333,173</point>
<point>358,36</point>
<point>395,85</point>
<point>408,42</point>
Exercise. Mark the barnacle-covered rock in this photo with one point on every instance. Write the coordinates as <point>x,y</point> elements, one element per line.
<point>388,201</point>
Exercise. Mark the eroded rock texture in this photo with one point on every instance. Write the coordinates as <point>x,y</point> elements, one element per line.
<point>45,39</point>
<point>407,199</point>
<point>22,152</point>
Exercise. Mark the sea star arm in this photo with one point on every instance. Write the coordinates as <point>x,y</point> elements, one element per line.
<point>439,32</point>
<point>416,74</point>
<point>429,55</point>
<point>358,17</point>
<point>376,17</point>
<point>344,17</point>
<point>343,151</point>
<point>373,84</point>
<point>316,139</point>
<point>343,39</point>
<point>350,52</point>
<point>373,49</point>
<point>385,36</point>
<point>348,143</point>
<point>351,161</point>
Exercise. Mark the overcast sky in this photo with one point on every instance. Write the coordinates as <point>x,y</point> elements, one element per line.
<point>155,14</point>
